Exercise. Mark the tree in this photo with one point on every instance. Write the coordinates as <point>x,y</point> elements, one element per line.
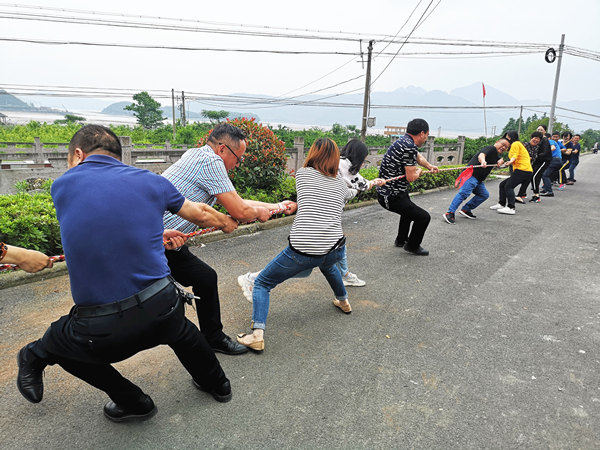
<point>70,118</point>
<point>264,166</point>
<point>215,117</point>
<point>589,138</point>
<point>146,110</point>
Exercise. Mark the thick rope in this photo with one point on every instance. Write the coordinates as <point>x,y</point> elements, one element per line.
<point>445,170</point>
<point>7,267</point>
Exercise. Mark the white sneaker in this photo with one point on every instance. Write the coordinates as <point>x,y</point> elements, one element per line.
<point>497,206</point>
<point>352,280</point>
<point>506,210</point>
<point>246,285</point>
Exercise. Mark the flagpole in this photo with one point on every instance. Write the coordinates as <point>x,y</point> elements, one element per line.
<point>484,115</point>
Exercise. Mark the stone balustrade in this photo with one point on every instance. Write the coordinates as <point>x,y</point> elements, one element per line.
<point>35,160</point>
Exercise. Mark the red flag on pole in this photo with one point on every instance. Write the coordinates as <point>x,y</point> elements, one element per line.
<point>483,85</point>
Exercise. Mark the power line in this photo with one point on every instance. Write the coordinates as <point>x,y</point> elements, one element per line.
<point>407,20</point>
<point>311,34</point>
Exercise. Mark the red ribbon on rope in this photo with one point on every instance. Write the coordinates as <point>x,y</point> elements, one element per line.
<point>7,267</point>
<point>464,176</point>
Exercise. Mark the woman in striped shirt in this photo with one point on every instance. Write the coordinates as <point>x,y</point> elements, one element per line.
<point>316,238</point>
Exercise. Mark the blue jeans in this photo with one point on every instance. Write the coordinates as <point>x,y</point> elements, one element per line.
<point>471,186</point>
<point>572,168</point>
<point>290,264</point>
<point>342,263</point>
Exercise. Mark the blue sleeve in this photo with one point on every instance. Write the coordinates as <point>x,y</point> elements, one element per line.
<point>173,198</point>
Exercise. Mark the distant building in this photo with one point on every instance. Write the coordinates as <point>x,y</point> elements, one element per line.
<point>3,118</point>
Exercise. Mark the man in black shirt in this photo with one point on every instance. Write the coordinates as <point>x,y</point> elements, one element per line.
<point>487,157</point>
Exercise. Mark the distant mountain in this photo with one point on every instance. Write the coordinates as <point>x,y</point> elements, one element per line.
<point>116,109</point>
<point>9,102</point>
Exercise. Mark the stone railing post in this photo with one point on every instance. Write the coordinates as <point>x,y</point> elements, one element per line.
<point>127,147</point>
<point>299,146</point>
<point>167,150</point>
<point>429,149</point>
<point>38,149</point>
<point>461,149</point>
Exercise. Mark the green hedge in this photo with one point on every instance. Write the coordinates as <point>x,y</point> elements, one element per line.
<point>29,221</point>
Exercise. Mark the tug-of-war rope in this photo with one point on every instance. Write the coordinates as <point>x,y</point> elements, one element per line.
<point>464,176</point>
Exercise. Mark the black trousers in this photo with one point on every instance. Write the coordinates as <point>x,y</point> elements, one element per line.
<point>507,187</point>
<point>409,214</point>
<point>539,167</point>
<point>563,171</point>
<point>189,270</point>
<point>86,346</point>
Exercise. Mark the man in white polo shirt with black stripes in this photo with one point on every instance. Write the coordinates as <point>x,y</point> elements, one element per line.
<point>201,176</point>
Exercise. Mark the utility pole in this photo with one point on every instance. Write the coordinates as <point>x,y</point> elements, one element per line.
<point>173,102</point>
<point>183,122</point>
<point>555,93</point>
<point>363,131</point>
<point>520,119</point>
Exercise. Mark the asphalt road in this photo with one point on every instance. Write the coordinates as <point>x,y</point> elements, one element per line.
<point>489,342</point>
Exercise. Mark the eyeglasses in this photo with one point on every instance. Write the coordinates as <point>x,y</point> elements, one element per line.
<point>240,159</point>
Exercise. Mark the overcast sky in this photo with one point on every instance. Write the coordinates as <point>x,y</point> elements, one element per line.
<point>524,77</point>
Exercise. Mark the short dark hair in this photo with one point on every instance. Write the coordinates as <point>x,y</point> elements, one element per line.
<point>226,129</point>
<point>578,135</point>
<point>91,138</point>
<point>565,134</point>
<point>512,136</point>
<point>354,151</point>
<point>556,133</point>
<point>537,134</point>
<point>416,126</point>
<point>548,135</point>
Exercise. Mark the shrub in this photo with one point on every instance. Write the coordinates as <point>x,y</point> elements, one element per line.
<point>29,221</point>
<point>264,165</point>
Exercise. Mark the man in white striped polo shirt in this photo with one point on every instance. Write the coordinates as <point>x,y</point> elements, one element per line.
<point>201,176</point>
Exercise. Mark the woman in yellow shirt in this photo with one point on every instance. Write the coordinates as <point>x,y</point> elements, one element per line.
<point>522,172</point>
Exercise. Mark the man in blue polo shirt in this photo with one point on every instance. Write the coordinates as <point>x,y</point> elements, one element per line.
<point>574,159</point>
<point>125,301</point>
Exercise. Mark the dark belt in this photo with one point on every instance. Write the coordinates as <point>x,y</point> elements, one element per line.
<point>341,242</point>
<point>126,303</point>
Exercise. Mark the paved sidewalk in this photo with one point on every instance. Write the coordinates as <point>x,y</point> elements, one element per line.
<point>490,342</point>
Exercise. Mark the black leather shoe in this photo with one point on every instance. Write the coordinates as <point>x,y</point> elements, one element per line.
<point>228,346</point>
<point>547,194</point>
<point>144,411</point>
<point>221,394</point>
<point>419,252</point>
<point>29,378</point>
<point>398,243</point>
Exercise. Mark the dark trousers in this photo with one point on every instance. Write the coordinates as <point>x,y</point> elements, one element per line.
<point>86,346</point>
<point>189,270</point>
<point>538,170</point>
<point>551,173</point>
<point>563,171</point>
<point>409,214</point>
<point>507,187</point>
